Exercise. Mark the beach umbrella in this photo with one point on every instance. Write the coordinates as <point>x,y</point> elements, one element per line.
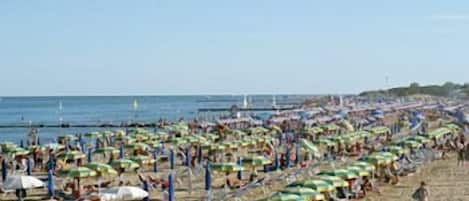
<point>4,170</point>
<point>90,155</point>
<point>54,146</point>
<point>359,171</point>
<point>411,143</point>
<point>7,146</point>
<point>310,147</point>
<point>325,142</point>
<point>419,139</point>
<point>208,177</point>
<point>101,168</point>
<point>277,161</point>
<point>92,135</point>
<point>199,154</point>
<point>255,161</point>
<point>143,160</point>
<point>308,193</point>
<point>171,159</point>
<point>135,146</point>
<point>124,193</point>
<point>288,157</point>
<point>284,197</point>
<point>333,180</point>
<point>50,183</point>
<point>29,167</point>
<point>389,155</point>
<point>378,159</point>
<point>18,152</point>
<point>240,173</point>
<point>342,173</point>
<point>316,184</point>
<point>171,187</point>
<point>146,187</point>
<point>397,150</point>
<point>297,154</point>
<point>364,165</point>
<point>71,155</point>
<point>188,156</point>
<point>226,167</point>
<point>124,163</point>
<point>14,182</point>
<point>78,172</point>
<point>155,164</point>
<point>121,151</point>
<point>108,149</point>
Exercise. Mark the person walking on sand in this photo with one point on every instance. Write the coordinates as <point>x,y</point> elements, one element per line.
<point>422,193</point>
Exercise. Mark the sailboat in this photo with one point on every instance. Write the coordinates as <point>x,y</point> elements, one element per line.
<point>245,102</point>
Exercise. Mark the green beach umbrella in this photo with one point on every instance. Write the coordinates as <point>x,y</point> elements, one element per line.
<point>419,139</point>
<point>226,167</point>
<point>54,146</point>
<point>411,143</point>
<point>397,150</point>
<point>7,145</point>
<point>143,160</point>
<point>342,173</point>
<point>71,155</point>
<point>18,151</point>
<point>387,155</point>
<point>310,146</point>
<point>358,170</point>
<point>324,142</point>
<point>92,135</point>
<point>308,193</point>
<point>364,165</point>
<point>78,172</point>
<point>101,168</point>
<point>316,184</point>
<point>333,180</point>
<point>124,163</point>
<point>284,197</point>
<point>135,146</point>
<point>108,149</point>
<point>255,161</point>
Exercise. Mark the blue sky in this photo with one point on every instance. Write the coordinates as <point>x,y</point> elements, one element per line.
<point>102,47</point>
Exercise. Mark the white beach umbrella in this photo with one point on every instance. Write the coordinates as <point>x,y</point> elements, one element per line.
<point>22,182</point>
<point>124,193</point>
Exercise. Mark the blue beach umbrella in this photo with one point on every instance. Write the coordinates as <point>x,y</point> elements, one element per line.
<point>277,161</point>
<point>297,154</point>
<point>155,164</point>
<point>121,151</point>
<point>50,183</point>
<point>171,159</point>
<point>199,154</point>
<point>171,187</point>
<point>97,143</point>
<point>147,189</point>
<point>208,177</point>
<point>90,156</point>
<point>288,157</point>
<point>29,166</point>
<point>188,156</point>
<point>240,173</point>
<point>4,170</point>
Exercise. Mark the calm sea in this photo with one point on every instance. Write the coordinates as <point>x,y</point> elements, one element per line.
<point>93,110</point>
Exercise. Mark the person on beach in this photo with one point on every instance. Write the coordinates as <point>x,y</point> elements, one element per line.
<point>461,157</point>
<point>422,193</point>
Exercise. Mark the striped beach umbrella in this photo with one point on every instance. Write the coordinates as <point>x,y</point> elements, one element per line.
<point>316,184</point>
<point>308,193</point>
